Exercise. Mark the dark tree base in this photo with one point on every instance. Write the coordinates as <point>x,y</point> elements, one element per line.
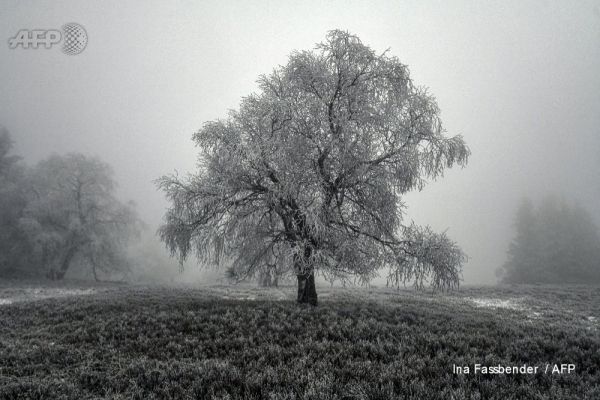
<point>307,292</point>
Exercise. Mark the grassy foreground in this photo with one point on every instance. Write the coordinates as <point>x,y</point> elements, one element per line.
<point>153,343</point>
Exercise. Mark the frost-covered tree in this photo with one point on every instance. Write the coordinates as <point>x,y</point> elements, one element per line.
<point>72,215</point>
<point>309,174</point>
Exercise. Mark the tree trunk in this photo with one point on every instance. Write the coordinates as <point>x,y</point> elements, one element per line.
<point>51,274</point>
<point>95,273</point>
<point>268,277</point>
<point>264,278</point>
<point>307,292</point>
<point>66,263</point>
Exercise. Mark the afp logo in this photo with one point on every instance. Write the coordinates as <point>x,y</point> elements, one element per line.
<point>73,37</point>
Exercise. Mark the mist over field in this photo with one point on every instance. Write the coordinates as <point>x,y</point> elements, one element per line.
<point>300,200</point>
<point>518,80</point>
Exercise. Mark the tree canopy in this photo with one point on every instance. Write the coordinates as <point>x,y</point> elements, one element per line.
<point>310,171</point>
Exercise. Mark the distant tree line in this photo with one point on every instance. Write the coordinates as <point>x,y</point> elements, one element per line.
<point>61,212</point>
<point>555,243</point>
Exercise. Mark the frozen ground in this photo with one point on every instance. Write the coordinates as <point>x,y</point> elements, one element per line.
<point>511,304</point>
<point>76,340</point>
<point>16,291</point>
<point>40,293</point>
<point>535,304</point>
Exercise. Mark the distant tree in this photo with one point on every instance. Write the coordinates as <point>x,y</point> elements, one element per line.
<point>268,274</point>
<point>72,215</point>
<point>309,174</point>
<point>584,249</point>
<point>556,243</point>
<point>271,275</point>
<point>14,250</point>
<point>524,250</point>
<point>8,162</point>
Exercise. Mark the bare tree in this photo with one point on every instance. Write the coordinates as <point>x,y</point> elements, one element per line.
<point>72,214</point>
<point>310,171</point>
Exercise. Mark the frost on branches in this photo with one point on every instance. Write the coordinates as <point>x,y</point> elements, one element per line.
<point>309,175</point>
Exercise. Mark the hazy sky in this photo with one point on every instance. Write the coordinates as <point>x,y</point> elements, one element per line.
<point>520,80</point>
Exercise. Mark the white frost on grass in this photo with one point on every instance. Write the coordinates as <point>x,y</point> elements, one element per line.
<point>593,323</point>
<point>57,292</point>
<point>39,293</point>
<point>47,293</point>
<point>252,293</point>
<point>515,304</point>
<point>238,297</point>
<point>510,304</point>
<point>507,304</point>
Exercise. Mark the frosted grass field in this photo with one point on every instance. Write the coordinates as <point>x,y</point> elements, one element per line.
<point>80,341</point>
